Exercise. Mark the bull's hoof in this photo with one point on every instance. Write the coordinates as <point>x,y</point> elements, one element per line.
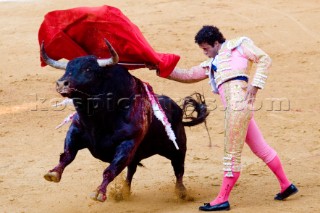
<point>52,176</point>
<point>183,194</point>
<point>98,196</point>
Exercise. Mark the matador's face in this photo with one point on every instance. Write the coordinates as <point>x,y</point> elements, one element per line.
<point>209,50</point>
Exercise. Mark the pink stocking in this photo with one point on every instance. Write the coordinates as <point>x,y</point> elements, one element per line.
<point>277,169</point>
<point>261,149</point>
<point>227,185</point>
<point>257,143</point>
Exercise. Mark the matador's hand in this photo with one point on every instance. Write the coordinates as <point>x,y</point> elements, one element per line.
<point>251,94</point>
<point>151,66</point>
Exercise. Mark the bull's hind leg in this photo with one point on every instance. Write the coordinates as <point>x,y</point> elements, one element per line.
<point>177,163</point>
<point>122,158</point>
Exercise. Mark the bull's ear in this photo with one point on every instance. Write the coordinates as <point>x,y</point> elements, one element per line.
<point>50,61</point>
<point>109,61</point>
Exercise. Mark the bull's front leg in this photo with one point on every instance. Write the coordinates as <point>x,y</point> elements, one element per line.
<point>124,154</point>
<point>72,144</point>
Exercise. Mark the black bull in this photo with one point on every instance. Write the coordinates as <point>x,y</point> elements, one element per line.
<point>115,120</point>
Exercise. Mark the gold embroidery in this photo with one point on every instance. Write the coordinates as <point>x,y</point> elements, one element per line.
<point>253,53</point>
<point>263,61</point>
<point>237,117</point>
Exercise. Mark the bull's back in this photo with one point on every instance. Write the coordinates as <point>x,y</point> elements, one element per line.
<point>156,140</point>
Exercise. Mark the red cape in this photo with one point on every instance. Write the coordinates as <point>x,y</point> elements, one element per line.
<point>81,31</point>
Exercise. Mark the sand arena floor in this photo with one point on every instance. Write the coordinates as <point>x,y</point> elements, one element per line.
<point>29,144</point>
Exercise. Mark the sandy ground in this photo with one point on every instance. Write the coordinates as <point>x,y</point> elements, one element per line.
<point>29,144</point>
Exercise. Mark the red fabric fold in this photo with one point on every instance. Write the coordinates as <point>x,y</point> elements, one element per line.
<point>81,31</point>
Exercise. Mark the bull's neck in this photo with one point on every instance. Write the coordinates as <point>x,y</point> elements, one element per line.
<point>109,102</point>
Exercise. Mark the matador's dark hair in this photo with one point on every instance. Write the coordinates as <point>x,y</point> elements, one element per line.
<point>209,34</point>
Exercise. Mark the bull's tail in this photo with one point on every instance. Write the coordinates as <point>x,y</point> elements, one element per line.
<point>194,110</point>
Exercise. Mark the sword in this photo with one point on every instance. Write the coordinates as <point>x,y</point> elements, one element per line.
<point>132,64</point>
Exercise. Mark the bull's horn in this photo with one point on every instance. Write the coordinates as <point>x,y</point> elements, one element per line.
<point>109,61</point>
<point>50,61</point>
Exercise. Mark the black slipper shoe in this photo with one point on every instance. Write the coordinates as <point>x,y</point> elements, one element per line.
<point>225,206</point>
<point>291,190</point>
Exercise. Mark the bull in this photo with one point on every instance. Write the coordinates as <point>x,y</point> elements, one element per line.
<point>116,122</point>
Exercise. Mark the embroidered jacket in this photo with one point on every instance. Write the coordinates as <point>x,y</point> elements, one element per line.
<point>233,60</point>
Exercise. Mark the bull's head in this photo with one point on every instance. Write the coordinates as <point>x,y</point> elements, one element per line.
<point>81,73</point>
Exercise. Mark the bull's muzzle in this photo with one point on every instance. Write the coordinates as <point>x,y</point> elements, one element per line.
<point>62,87</point>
